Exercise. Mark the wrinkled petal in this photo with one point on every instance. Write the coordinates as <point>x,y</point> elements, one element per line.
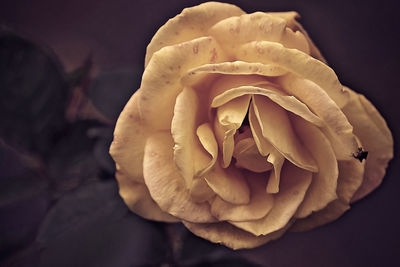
<point>161,80</point>
<point>229,184</point>
<point>298,63</point>
<point>375,137</point>
<point>130,137</point>
<point>209,143</point>
<point>234,31</point>
<point>137,197</point>
<point>230,236</point>
<point>183,132</point>
<point>259,206</point>
<point>165,183</point>
<point>289,103</point>
<point>277,129</point>
<point>229,118</point>
<point>200,191</point>
<point>192,23</point>
<point>277,160</point>
<point>338,129</point>
<point>197,74</point>
<point>323,186</point>
<point>264,147</point>
<point>291,22</point>
<point>248,157</point>
<point>293,186</point>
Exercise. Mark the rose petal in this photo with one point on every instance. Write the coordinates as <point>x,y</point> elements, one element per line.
<point>248,157</point>
<point>230,236</point>
<point>260,203</point>
<point>331,212</point>
<point>209,143</point>
<point>289,103</point>
<point>291,22</point>
<point>129,140</point>
<point>183,132</point>
<point>296,62</point>
<point>264,147</point>
<point>161,79</point>
<point>338,129</point>
<point>137,197</point>
<point>277,160</point>
<point>200,191</point>
<point>192,23</point>
<point>375,137</point>
<point>276,128</point>
<point>296,40</point>
<point>293,186</point>
<point>165,183</point>
<point>197,74</point>
<point>229,184</point>
<point>229,118</point>
<point>234,31</point>
<point>323,186</point>
<point>351,176</point>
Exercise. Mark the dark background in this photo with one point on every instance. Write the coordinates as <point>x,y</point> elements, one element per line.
<point>59,204</point>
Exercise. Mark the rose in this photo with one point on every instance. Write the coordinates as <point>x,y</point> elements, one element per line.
<point>241,131</point>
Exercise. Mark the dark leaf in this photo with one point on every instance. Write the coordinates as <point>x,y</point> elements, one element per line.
<point>92,227</point>
<point>33,93</point>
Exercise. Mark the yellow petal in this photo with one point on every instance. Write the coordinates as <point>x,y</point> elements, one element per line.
<point>197,74</point>
<point>293,186</point>
<point>296,62</point>
<point>264,147</point>
<point>137,197</point>
<point>230,236</point>
<point>200,191</point>
<point>248,157</point>
<point>296,40</point>
<point>291,22</point>
<point>260,203</point>
<point>161,79</point>
<point>229,184</point>
<point>234,31</point>
<point>323,186</point>
<point>289,103</point>
<point>277,160</point>
<point>192,23</point>
<point>334,210</point>
<point>209,143</point>
<point>375,137</point>
<point>229,118</point>
<point>130,136</point>
<point>165,183</point>
<point>277,129</point>
<point>183,132</point>
<point>338,129</point>
<point>351,174</point>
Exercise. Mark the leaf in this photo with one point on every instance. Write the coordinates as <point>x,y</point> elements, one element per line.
<point>33,93</point>
<point>91,226</point>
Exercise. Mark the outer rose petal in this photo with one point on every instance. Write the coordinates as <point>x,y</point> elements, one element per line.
<point>296,62</point>
<point>165,183</point>
<point>230,236</point>
<point>323,186</point>
<point>375,137</point>
<point>130,137</point>
<point>161,80</point>
<point>351,174</point>
<point>192,23</point>
<point>293,186</point>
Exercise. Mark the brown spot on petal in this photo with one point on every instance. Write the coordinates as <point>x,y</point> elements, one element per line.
<point>196,49</point>
<point>214,55</point>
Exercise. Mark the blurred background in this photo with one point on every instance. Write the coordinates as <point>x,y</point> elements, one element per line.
<point>66,70</point>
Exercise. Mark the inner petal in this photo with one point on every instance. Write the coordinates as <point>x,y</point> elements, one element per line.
<point>209,143</point>
<point>264,147</point>
<point>248,157</point>
<point>277,129</point>
<point>229,118</point>
<point>277,160</point>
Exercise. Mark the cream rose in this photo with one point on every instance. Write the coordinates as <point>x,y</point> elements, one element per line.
<point>241,131</point>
